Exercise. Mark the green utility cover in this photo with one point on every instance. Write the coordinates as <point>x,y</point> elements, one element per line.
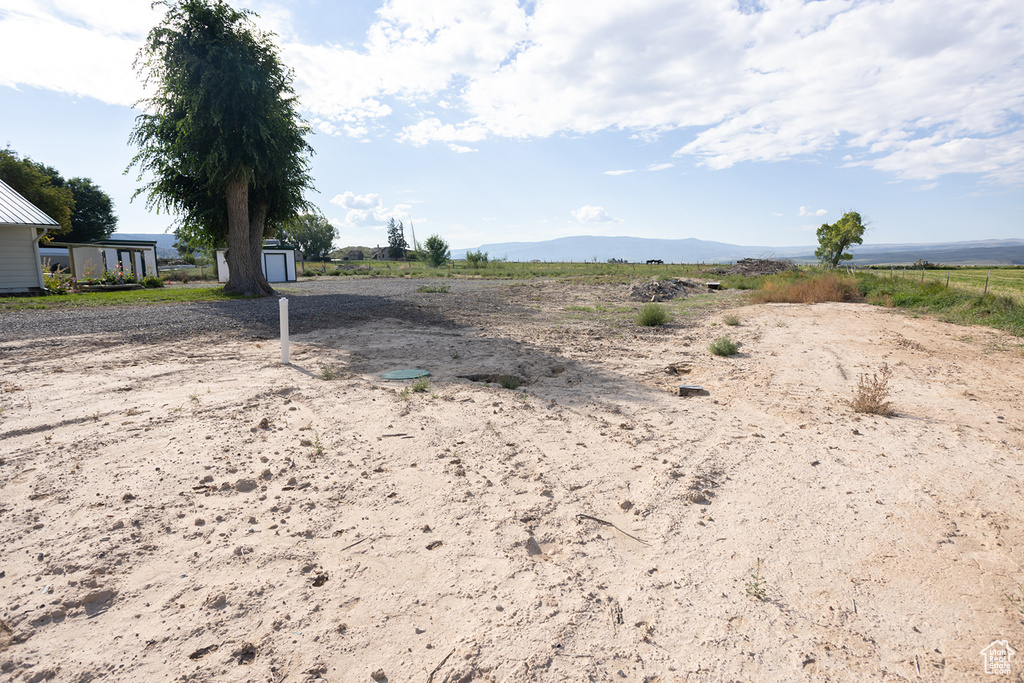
<point>411,373</point>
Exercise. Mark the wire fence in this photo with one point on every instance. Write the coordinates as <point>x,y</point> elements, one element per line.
<point>981,281</point>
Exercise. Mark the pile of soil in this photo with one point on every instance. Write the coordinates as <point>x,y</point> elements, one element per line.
<point>752,267</point>
<point>663,290</point>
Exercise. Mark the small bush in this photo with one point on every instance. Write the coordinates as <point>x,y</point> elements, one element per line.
<point>328,372</point>
<point>872,392</point>
<point>476,259</point>
<point>179,276</point>
<point>732,320</point>
<point>509,382</point>
<point>723,346</point>
<point>420,386</point>
<point>152,282</point>
<point>652,315</point>
<point>434,289</point>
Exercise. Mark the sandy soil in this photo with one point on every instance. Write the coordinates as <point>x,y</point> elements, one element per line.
<point>196,510</point>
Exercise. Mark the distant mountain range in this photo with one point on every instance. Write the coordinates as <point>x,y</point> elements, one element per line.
<point>691,250</point>
<point>164,242</point>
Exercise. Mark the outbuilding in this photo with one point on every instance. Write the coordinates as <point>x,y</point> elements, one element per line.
<point>91,259</point>
<point>278,263</point>
<point>22,224</point>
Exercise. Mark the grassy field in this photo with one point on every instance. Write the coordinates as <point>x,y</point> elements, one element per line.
<point>1001,279</point>
<point>506,270</point>
<point>136,297</point>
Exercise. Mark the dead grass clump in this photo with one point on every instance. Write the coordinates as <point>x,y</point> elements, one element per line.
<point>807,290</point>
<point>872,393</point>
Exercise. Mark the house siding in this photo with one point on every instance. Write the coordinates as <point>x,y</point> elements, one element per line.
<point>19,265</point>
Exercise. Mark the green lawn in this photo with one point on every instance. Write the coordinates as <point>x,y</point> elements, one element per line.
<point>169,294</point>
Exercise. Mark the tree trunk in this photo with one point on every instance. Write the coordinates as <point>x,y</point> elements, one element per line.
<point>257,226</point>
<point>243,269</point>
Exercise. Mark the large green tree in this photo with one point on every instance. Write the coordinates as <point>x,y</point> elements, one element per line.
<point>397,246</point>
<point>93,217</point>
<point>311,233</point>
<point>835,239</point>
<point>41,185</point>
<point>221,138</point>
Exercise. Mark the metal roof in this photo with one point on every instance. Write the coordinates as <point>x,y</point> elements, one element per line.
<point>16,210</point>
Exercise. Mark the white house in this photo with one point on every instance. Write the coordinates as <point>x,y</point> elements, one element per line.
<point>21,227</point>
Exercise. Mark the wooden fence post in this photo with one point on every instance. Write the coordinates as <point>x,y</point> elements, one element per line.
<point>947,279</point>
<point>986,282</point>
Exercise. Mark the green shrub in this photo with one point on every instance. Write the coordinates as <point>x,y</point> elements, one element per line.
<point>723,346</point>
<point>732,320</point>
<point>652,315</point>
<point>152,282</point>
<point>420,386</point>
<point>437,251</point>
<point>476,259</point>
<point>434,289</point>
<point>509,382</point>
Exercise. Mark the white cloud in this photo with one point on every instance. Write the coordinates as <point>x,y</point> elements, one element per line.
<point>367,210</point>
<point>461,149</point>
<point>659,167</point>
<point>592,214</point>
<point>623,172</point>
<point>82,49</point>
<point>905,87</point>
<point>805,211</point>
<point>914,88</point>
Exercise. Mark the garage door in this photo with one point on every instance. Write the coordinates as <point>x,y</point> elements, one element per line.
<point>276,269</point>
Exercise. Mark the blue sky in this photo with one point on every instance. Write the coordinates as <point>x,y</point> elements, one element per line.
<point>750,122</point>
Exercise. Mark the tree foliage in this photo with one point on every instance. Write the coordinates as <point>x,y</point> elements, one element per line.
<point>311,233</point>
<point>93,217</point>
<point>221,137</point>
<point>397,245</point>
<point>437,251</point>
<point>40,184</point>
<point>836,238</point>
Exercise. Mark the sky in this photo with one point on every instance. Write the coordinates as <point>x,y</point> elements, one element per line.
<point>746,121</point>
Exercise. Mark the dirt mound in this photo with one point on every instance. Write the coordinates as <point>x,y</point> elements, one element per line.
<point>752,267</point>
<point>663,290</point>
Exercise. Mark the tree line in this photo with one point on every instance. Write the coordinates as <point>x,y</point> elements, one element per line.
<point>84,211</point>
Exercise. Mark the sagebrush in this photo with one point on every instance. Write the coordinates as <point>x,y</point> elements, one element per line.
<point>872,392</point>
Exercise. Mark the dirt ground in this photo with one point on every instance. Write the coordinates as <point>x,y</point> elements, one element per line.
<point>195,510</point>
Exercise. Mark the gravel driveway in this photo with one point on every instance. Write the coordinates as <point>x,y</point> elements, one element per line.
<point>313,304</point>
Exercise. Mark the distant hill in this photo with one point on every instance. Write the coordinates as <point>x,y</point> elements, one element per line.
<point>164,242</point>
<point>691,250</point>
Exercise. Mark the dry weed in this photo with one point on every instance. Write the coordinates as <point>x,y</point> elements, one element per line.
<point>872,393</point>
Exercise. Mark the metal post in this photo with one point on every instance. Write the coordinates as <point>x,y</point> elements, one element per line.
<point>986,281</point>
<point>284,331</point>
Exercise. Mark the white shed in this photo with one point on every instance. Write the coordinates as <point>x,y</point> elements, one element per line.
<point>278,263</point>
<point>90,259</point>
<point>21,226</point>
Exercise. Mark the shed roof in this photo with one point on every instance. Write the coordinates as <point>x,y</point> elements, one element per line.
<point>16,210</point>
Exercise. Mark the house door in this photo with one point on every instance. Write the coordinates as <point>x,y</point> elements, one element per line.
<point>275,267</point>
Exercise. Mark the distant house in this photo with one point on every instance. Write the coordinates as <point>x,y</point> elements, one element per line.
<point>21,227</point>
